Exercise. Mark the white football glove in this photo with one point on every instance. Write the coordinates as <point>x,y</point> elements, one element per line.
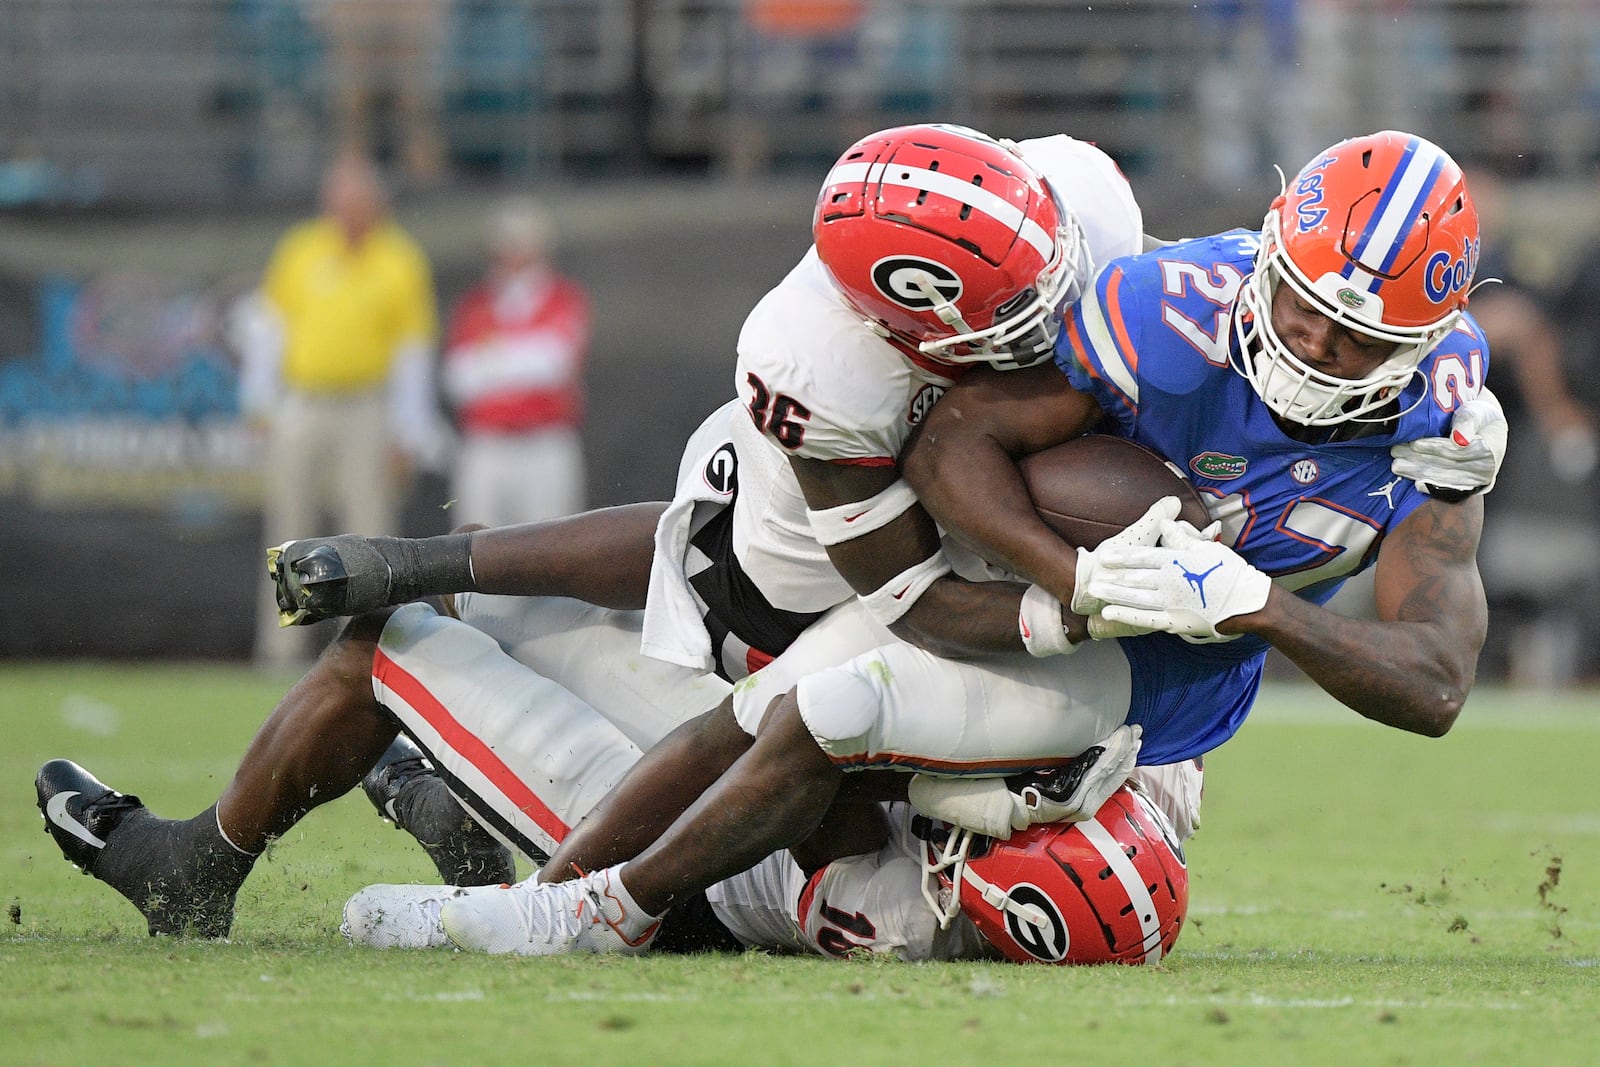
<point>1466,461</point>
<point>1185,586</point>
<point>1104,629</point>
<point>995,807</point>
<point>1144,531</point>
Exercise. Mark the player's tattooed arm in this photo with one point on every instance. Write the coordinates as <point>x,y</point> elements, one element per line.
<point>1413,666</point>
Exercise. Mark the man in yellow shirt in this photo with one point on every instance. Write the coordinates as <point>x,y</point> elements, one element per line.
<point>341,373</point>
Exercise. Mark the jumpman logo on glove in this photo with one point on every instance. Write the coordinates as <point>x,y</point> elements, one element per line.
<point>1198,581</point>
<point>1141,589</point>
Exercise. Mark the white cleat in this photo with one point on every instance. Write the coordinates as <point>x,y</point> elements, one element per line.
<point>397,916</point>
<point>543,918</point>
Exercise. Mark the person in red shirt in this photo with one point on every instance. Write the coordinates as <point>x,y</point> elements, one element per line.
<point>514,361</point>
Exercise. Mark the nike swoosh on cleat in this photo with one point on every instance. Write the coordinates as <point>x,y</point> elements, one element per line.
<point>56,811</point>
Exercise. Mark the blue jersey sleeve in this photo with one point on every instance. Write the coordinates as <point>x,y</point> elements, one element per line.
<point>1098,349</point>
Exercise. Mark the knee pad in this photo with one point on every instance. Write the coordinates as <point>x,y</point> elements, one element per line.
<point>406,623</point>
<point>418,629</point>
<point>841,707</point>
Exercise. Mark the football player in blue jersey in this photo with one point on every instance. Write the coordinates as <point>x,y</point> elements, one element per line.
<point>1285,372</point>
<point>1320,383</point>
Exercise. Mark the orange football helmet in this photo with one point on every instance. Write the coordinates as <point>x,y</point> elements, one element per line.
<point>1111,889</point>
<point>949,243</point>
<point>1380,235</point>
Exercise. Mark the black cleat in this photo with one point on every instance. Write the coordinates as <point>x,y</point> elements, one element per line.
<point>401,764</point>
<point>1059,783</point>
<point>182,875</point>
<point>408,791</point>
<point>80,811</point>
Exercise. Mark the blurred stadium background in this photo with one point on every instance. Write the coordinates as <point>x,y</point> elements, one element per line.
<point>151,152</point>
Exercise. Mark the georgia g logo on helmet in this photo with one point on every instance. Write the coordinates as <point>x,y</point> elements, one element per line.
<point>906,281</point>
<point>1049,942</point>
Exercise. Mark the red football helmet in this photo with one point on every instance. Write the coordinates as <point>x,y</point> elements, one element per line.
<point>1111,889</point>
<point>1379,234</point>
<point>948,242</point>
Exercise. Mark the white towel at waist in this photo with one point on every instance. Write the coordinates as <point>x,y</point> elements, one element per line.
<point>674,615</point>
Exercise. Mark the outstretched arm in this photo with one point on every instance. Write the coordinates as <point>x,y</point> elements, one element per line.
<point>600,556</point>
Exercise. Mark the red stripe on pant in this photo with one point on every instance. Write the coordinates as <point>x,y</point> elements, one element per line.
<point>466,744</point>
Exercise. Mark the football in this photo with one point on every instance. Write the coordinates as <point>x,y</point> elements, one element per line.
<point>1093,486</point>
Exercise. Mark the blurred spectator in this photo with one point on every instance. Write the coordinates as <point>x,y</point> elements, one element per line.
<point>1279,79</point>
<point>514,361</point>
<point>1525,333</point>
<point>388,51</point>
<point>799,55</point>
<point>338,365</point>
<point>1540,556</point>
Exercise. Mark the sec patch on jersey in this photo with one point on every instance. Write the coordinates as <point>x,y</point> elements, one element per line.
<point>1093,486</point>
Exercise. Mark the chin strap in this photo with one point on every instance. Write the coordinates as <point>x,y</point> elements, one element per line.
<point>940,304</point>
<point>945,868</point>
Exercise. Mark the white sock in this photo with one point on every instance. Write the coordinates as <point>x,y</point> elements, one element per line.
<point>635,920</point>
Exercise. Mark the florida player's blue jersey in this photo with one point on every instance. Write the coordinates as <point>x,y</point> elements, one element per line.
<point>1152,343</point>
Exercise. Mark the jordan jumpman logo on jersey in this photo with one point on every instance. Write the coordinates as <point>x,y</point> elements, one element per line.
<point>1197,580</point>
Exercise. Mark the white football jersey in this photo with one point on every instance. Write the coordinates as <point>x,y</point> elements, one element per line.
<point>870,903</point>
<point>803,346</point>
<point>804,352</point>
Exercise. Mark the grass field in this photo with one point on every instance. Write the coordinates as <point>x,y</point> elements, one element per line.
<point>1357,896</point>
